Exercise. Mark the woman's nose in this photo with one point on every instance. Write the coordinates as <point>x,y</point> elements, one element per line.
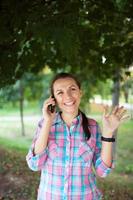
<point>68,95</point>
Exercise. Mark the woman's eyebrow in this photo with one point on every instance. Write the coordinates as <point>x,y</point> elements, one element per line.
<point>58,90</point>
<point>72,85</point>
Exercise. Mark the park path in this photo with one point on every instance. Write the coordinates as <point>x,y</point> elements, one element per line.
<point>17,118</point>
<point>32,118</point>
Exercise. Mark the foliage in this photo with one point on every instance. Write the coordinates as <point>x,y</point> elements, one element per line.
<point>35,87</point>
<point>72,35</point>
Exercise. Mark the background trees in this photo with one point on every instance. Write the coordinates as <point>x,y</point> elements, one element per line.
<point>93,39</point>
<point>75,35</point>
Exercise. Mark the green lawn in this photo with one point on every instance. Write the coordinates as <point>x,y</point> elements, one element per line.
<point>29,108</point>
<point>117,186</point>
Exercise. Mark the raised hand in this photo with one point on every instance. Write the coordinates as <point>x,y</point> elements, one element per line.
<point>47,114</point>
<point>112,120</point>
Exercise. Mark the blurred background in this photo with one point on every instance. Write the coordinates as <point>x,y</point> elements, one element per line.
<point>94,41</point>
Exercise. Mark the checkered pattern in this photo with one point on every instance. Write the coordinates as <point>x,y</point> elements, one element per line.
<point>68,161</point>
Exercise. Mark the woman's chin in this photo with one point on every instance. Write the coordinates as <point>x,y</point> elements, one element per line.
<point>70,110</point>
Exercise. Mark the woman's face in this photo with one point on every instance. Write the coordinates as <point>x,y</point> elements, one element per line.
<point>67,95</point>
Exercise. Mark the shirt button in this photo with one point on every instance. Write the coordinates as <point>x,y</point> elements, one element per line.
<point>67,152</point>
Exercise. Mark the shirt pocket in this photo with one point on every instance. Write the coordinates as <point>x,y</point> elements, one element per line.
<point>52,150</point>
<point>86,152</point>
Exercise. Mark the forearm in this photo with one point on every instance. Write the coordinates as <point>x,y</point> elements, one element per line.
<point>106,153</point>
<point>41,142</point>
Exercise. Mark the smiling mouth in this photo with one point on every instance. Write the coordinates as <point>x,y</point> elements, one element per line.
<point>69,103</point>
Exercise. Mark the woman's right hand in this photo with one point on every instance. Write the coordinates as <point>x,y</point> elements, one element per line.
<point>42,140</point>
<point>47,114</point>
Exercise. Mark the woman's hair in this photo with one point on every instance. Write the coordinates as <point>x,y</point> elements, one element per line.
<point>84,118</point>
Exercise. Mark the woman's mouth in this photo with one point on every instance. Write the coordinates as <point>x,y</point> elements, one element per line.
<point>69,103</point>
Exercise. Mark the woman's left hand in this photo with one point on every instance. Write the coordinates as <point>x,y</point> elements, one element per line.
<point>112,120</point>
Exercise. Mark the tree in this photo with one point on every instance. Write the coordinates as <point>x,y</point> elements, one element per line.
<point>73,35</point>
<point>29,88</point>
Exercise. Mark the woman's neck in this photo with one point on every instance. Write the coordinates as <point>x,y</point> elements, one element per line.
<point>68,117</point>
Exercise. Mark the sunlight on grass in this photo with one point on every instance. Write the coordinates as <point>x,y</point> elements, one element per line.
<point>21,144</point>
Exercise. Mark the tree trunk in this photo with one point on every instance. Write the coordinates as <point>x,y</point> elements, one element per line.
<point>115,100</point>
<point>116,89</point>
<point>21,89</point>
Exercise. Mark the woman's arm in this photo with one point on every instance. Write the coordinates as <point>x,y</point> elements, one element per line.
<point>41,142</point>
<point>110,123</point>
<point>38,152</point>
<point>106,153</point>
<point>103,156</point>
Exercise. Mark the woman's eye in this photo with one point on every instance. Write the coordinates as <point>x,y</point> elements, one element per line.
<point>73,88</point>
<point>59,93</point>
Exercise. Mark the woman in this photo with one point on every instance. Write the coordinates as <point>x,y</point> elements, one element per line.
<point>68,145</point>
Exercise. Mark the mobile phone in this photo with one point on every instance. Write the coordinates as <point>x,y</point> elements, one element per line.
<point>51,107</point>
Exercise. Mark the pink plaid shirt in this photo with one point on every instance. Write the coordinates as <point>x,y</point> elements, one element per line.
<point>68,162</point>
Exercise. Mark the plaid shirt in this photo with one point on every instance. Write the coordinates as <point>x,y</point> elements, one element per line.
<point>67,164</point>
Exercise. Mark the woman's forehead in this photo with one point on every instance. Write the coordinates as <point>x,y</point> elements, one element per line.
<point>64,82</point>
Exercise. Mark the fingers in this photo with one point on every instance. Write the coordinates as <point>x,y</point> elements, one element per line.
<point>122,113</point>
<point>49,101</point>
<point>47,110</point>
<point>124,118</point>
<point>105,110</point>
<point>119,112</point>
<point>115,109</point>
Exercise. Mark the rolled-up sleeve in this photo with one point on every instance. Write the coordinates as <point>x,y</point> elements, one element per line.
<point>36,162</point>
<point>101,168</point>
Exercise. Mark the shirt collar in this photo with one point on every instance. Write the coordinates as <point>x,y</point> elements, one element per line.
<point>59,120</point>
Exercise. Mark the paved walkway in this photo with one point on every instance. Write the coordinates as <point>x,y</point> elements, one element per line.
<point>17,118</point>
<point>33,118</point>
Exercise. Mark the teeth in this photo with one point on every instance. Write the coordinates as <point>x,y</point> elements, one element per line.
<point>69,104</point>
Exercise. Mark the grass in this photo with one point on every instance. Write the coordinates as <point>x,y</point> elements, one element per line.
<point>31,108</point>
<point>125,149</point>
<point>117,186</point>
<point>20,145</point>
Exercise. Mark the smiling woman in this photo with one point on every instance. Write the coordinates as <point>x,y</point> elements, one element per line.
<point>67,95</point>
<point>68,145</point>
